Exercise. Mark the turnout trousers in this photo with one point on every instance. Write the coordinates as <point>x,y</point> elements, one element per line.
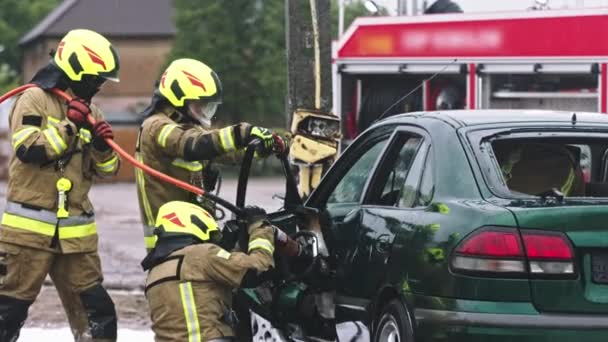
<point>76,276</point>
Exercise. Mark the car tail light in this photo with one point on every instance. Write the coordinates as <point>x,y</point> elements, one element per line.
<point>548,253</point>
<point>504,251</point>
<point>497,250</point>
<point>493,244</point>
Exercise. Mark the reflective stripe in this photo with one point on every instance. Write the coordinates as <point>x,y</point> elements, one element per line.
<point>164,134</point>
<point>51,121</point>
<point>567,187</point>
<point>85,135</point>
<point>141,184</point>
<point>149,237</point>
<point>193,166</point>
<point>44,222</point>
<point>150,241</point>
<point>194,333</point>
<point>53,137</point>
<point>48,229</point>
<point>261,244</point>
<point>46,216</point>
<point>226,139</point>
<point>109,165</point>
<point>77,231</point>
<point>20,136</point>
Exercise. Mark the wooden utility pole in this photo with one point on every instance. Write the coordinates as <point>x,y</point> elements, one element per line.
<point>315,130</point>
<point>303,54</point>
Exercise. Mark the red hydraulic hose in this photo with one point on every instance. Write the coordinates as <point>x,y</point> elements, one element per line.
<point>135,162</point>
<point>15,91</point>
<point>115,147</point>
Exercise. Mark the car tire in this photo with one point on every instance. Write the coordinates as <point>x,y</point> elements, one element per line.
<point>393,324</point>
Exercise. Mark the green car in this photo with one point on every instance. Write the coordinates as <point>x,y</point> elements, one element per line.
<point>468,226</point>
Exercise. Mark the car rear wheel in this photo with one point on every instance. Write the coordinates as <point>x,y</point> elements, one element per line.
<point>393,325</point>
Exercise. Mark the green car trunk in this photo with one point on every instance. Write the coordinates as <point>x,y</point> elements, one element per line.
<point>586,226</point>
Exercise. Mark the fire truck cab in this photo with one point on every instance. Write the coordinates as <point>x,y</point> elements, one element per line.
<point>511,60</point>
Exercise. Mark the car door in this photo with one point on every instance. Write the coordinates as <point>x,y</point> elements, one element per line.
<point>342,187</point>
<point>368,231</point>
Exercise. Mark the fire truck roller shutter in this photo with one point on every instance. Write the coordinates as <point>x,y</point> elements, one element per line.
<point>381,92</point>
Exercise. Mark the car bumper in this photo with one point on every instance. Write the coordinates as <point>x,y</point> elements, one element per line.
<point>442,325</point>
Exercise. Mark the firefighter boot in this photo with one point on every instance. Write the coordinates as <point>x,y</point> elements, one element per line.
<point>89,308</point>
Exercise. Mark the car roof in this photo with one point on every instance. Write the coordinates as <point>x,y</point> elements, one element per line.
<point>461,118</point>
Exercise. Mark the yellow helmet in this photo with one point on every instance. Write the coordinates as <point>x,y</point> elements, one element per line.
<point>183,218</point>
<point>84,52</point>
<point>188,79</point>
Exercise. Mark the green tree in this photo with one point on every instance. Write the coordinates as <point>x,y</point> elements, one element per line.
<point>244,42</point>
<point>352,10</point>
<point>17,17</point>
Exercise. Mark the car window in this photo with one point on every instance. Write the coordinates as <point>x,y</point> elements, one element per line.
<point>543,163</point>
<point>409,190</point>
<point>394,183</point>
<point>350,187</point>
<point>534,167</point>
<point>427,184</point>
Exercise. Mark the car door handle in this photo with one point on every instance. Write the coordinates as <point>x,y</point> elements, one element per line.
<point>383,244</point>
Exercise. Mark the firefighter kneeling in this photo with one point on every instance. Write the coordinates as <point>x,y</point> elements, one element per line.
<point>189,286</point>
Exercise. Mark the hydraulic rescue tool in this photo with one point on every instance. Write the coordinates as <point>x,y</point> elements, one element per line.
<point>316,131</point>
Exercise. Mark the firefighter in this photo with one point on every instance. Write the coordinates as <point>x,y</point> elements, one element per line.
<point>176,139</point>
<point>443,6</point>
<point>48,225</point>
<point>190,280</point>
<point>525,167</point>
<point>449,98</point>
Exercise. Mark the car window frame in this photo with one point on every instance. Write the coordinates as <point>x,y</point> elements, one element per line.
<point>421,157</point>
<point>425,146</point>
<point>377,181</point>
<point>319,197</point>
<point>428,159</point>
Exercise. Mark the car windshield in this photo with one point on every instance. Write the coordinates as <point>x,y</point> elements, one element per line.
<point>575,166</point>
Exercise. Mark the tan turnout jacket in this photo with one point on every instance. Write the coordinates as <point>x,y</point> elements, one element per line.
<point>41,134</point>
<point>190,292</point>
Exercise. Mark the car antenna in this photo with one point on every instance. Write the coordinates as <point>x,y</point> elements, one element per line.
<point>414,90</point>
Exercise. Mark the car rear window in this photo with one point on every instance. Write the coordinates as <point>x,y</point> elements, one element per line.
<point>553,164</point>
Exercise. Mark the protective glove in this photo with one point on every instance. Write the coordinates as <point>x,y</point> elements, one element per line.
<point>266,138</point>
<point>78,111</point>
<point>254,216</point>
<point>102,130</point>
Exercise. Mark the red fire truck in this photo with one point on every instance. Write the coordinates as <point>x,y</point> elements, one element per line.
<point>535,60</point>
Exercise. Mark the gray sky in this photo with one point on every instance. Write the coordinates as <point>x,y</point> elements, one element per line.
<point>504,5</point>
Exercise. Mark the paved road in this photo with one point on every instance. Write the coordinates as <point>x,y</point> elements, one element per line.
<point>121,243</point>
